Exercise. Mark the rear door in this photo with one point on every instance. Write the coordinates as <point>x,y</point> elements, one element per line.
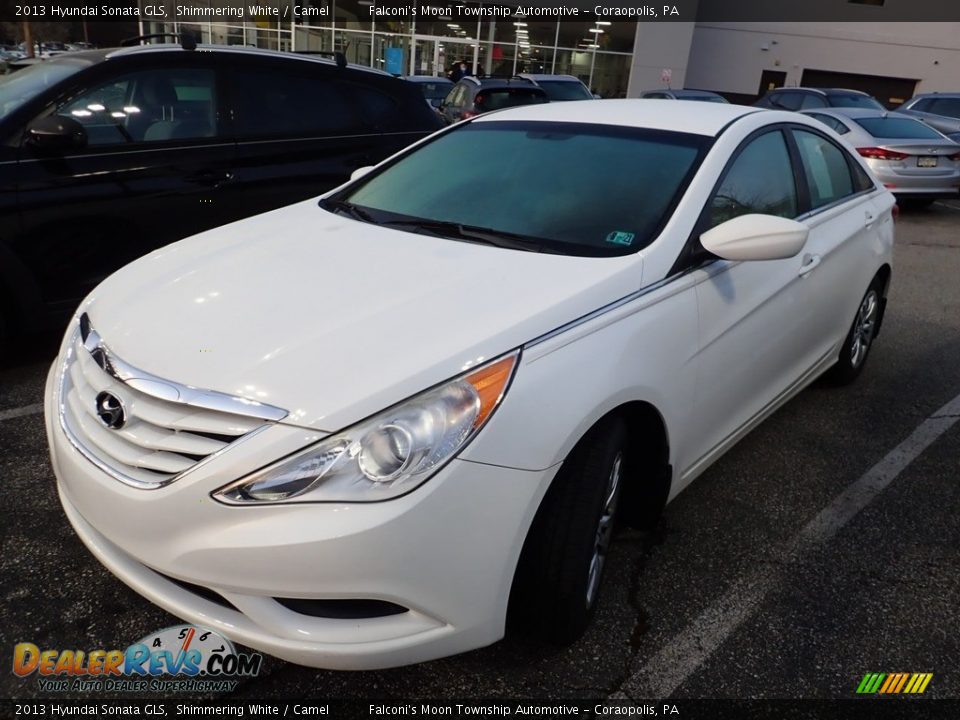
<point>151,173</point>
<point>845,222</point>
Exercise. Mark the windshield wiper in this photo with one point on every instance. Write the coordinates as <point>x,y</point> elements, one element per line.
<point>347,208</point>
<point>470,233</point>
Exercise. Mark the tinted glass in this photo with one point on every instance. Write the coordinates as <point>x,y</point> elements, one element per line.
<point>788,100</point>
<point>280,104</point>
<point>25,84</point>
<point>812,101</point>
<point>148,106</point>
<point>498,98</point>
<point>434,90</point>
<point>946,106</point>
<point>831,122</point>
<point>854,101</point>
<point>898,128</point>
<point>564,90</point>
<point>582,189</point>
<point>825,167</point>
<point>760,180</point>
<point>703,98</point>
<point>375,106</point>
<point>861,181</point>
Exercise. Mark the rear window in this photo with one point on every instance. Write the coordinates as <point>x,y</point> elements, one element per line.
<point>572,188</point>
<point>945,106</point>
<point>497,98</point>
<point>703,98</point>
<point>564,90</point>
<point>854,101</point>
<point>897,128</point>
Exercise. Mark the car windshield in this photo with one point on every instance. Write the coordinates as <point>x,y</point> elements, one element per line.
<point>888,127</point>
<point>499,98</point>
<point>574,189</point>
<point>565,90</point>
<point>22,86</point>
<point>854,101</point>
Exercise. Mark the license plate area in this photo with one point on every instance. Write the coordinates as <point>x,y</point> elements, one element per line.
<point>926,162</point>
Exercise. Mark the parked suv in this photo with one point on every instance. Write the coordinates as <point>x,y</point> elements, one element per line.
<point>108,154</point>
<point>801,98</point>
<point>473,96</point>
<point>938,110</point>
<point>560,88</point>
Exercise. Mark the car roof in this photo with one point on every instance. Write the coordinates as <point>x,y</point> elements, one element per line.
<point>490,82</point>
<point>950,95</point>
<point>241,49</point>
<point>705,119</point>
<point>824,91</point>
<point>857,113</point>
<point>427,78</point>
<point>565,78</point>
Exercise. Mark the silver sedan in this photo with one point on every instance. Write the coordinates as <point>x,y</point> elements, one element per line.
<point>910,158</point>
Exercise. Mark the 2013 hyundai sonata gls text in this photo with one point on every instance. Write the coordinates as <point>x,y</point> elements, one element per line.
<point>373,429</point>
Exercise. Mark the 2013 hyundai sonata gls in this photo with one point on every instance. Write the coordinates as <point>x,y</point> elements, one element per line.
<point>368,430</point>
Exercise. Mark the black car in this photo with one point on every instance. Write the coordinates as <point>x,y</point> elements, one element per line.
<point>108,154</point>
<point>801,98</point>
<point>473,96</point>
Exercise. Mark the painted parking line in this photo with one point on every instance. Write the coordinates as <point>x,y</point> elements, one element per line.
<point>659,675</point>
<point>34,409</point>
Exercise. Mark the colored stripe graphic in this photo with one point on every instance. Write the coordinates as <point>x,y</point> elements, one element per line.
<point>894,683</point>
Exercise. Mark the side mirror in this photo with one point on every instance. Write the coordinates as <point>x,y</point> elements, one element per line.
<point>756,237</point>
<point>360,172</point>
<point>56,133</point>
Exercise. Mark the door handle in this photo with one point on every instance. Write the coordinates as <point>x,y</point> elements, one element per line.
<point>211,178</point>
<point>809,263</point>
<point>868,218</point>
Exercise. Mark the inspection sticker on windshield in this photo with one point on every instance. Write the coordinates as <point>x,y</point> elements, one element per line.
<point>619,237</point>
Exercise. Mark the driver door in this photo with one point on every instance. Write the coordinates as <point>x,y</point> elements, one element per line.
<point>151,172</point>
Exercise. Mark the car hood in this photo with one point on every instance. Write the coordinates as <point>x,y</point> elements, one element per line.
<point>333,319</point>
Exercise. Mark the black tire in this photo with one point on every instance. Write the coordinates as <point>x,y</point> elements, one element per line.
<point>554,590</point>
<point>856,346</point>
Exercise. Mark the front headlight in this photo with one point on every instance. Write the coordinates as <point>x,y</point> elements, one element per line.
<point>387,455</point>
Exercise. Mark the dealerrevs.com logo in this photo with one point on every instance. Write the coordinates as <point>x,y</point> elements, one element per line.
<point>180,658</point>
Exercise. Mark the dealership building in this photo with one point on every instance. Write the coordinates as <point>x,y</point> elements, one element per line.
<point>890,59</point>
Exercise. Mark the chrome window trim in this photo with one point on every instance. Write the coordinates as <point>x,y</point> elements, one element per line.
<point>168,390</point>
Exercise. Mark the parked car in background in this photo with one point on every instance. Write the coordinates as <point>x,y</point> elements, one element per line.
<point>434,89</point>
<point>108,154</point>
<point>940,111</point>
<point>697,95</point>
<point>914,161</point>
<point>472,96</point>
<point>560,87</point>
<point>800,98</point>
<point>611,294</point>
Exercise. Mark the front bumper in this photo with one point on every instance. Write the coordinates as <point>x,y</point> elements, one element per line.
<point>446,552</point>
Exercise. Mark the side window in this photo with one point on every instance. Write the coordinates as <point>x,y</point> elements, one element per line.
<point>831,122</point>
<point>656,96</point>
<point>376,107</point>
<point>760,180</point>
<point>812,101</point>
<point>826,169</point>
<point>148,106</point>
<point>789,100</point>
<point>861,181</point>
<point>287,103</point>
<point>946,106</point>
<point>923,105</point>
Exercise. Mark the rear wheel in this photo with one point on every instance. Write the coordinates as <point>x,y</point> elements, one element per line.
<point>561,567</point>
<point>859,340</point>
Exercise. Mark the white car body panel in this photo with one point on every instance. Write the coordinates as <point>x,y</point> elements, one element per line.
<point>334,320</point>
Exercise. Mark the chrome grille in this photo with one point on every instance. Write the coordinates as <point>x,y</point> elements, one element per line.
<point>162,429</point>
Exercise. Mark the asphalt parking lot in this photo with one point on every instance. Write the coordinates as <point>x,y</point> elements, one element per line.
<point>824,546</point>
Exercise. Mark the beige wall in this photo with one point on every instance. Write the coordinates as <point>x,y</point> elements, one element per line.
<point>730,56</point>
<point>659,46</point>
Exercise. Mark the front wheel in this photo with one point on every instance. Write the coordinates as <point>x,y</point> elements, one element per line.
<point>561,567</point>
<point>859,340</point>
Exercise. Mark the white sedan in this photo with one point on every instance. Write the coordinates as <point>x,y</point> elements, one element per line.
<point>383,427</point>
